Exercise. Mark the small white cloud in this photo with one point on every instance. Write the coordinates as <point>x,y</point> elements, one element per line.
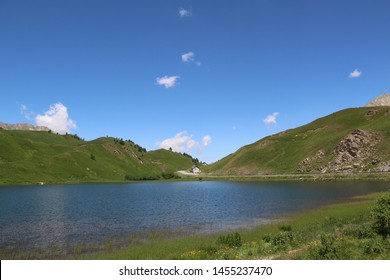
<point>355,74</point>
<point>187,57</point>
<point>167,82</point>
<point>56,119</point>
<point>184,13</point>
<point>190,57</point>
<point>26,112</point>
<point>207,140</point>
<point>271,119</point>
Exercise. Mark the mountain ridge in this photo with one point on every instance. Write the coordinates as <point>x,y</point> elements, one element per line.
<point>22,126</point>
<point>31,157</point>
<point>382,100</point>
<point>351,140</point>
<point>347,141</point>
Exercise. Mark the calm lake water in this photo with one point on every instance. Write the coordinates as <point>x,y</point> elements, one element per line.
<point>67,214</point>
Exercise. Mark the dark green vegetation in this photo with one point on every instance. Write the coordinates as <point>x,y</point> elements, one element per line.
<point>351,140</point>
<point>30,157</point>
<point>381,215</point>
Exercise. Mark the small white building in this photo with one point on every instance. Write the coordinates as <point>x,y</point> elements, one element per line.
<point>195,169</point>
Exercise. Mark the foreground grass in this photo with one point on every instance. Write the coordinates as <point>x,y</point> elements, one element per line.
<point>342,231</point>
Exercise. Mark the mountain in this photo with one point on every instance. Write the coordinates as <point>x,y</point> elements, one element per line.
<point>350,140</point>
<point>382,100</point>
<point>22,126</point>
<point>37,156</point>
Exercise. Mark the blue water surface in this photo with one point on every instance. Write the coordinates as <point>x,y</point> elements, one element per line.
<point>66,214</point>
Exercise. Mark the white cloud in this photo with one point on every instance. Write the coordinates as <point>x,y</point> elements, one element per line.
<point>271,119</point>
<point>184,13</point>
<point>179,143</point>
<point>26,112</point>
<point>355,74</point>
<point>187,57</point>
<point>192,144</point>
<point>183,142</point>
<point>190,57</point>
<point>167,82</point>
<point>56,119</point>
<point>207,140</point>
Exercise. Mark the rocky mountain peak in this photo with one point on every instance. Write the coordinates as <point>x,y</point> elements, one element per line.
<point>382,100</point>
<point>22,126</point>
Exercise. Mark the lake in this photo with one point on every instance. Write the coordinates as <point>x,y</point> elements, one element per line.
<point>34,216</point>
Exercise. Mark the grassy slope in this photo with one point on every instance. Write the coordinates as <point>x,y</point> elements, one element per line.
<point>281,153</point>
<point>32,157</point>
<point>168,161</point>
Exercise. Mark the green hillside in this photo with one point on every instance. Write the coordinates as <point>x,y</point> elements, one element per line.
<point>32,157</point>
<point>351,140</point>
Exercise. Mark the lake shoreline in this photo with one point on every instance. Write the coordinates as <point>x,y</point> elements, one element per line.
<point>378,176</point>
<point>382,176</point>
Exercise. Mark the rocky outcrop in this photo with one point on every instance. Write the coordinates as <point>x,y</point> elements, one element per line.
<point>354,150</point>
<point>354,153</point>
<point>382,100</point>
<point>312,163</point>
<point>383,167</point>
<point>22,126</point>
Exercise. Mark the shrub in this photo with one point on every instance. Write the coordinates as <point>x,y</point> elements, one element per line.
<point>374,246</point>
<point>231,240</point>
<point>169,175</point>
<point>327,250</point>
<point>279,239</point>
<point>360,232</point>
<point>285,228</point>
<point>141,178</point>
<point>381,214</point>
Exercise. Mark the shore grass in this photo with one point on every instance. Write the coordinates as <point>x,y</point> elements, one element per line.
<point>384,177</point>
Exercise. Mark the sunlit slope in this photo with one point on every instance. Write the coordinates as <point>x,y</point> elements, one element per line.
<point>32,157</point>
<point>350,140</point>
<point>168,161</point>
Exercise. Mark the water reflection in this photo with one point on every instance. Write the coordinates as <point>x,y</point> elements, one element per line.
<point>44,215</point>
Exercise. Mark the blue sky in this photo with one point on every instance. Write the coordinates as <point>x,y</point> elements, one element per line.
<point>205,77</point>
